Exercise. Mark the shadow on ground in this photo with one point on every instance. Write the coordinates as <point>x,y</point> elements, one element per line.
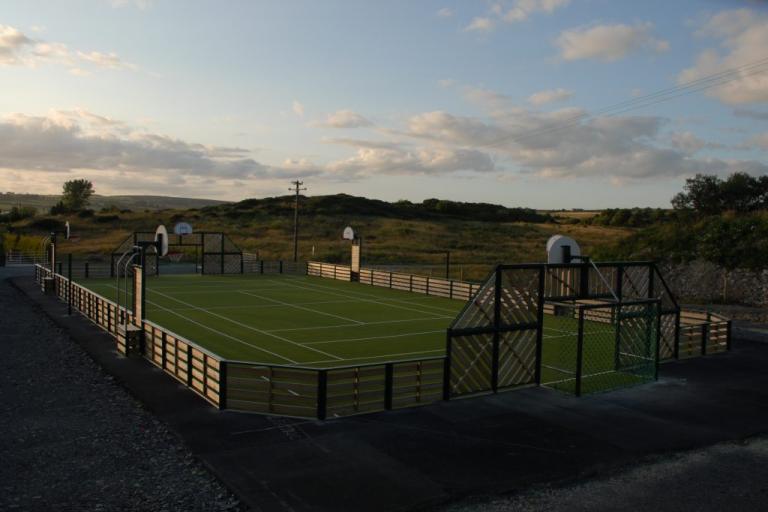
<point>448,452</point>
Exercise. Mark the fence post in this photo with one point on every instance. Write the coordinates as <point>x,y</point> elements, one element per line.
<point>579,352</point>
<point>221,254</point>
<point>677,334</point>
<point>281,266</point>
<point>389,374</point>
<point>651,276</point>
<point>69,284</point>
<point>189,364</point>
<point>450,289</point>
<point>222,385</point>
<point>620,282</point>
<point>390,279</point>
<point>703,339</point>
<point>658,340</point>
<point>584,281</point>
<point>539,327</point>
<point>261,266</point>
<point>410,283</point>
<point>322,393</point>
<point>447,366</point>
<point>617,349</point>
<point>728,335</point>
<point>162,350</point>
<point>496,326</point>
<point>87,273</point>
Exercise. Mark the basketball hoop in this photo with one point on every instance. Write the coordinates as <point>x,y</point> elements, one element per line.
<point>175,257</point>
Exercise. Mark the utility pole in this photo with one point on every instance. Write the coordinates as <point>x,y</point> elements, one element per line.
<point>296,188</point>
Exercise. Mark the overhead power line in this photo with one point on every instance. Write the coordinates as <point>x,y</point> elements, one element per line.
<point>663,95</point>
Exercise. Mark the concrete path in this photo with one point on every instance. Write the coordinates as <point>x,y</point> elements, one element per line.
<point>431,456</point>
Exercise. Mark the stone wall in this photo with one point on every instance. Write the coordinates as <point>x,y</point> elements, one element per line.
<point>705,282</point>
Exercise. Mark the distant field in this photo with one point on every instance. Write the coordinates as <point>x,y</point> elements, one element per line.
<point>44,202</point>
<point>392,237</point>
<point>581,214</point>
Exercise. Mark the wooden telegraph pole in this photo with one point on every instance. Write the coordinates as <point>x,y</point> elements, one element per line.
<point>296,188</point>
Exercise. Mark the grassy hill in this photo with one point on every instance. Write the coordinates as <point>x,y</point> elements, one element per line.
<point>478,235</point>
<point>44,202</point>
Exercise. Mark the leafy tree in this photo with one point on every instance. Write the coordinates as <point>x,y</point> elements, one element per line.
<point>700,193</point>
<point>709,195</point>
<point>76,194</point>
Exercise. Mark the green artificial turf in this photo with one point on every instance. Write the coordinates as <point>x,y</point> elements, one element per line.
<point>316,322</point>
<point>295,320</point>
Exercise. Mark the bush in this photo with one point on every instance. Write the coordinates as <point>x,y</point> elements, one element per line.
<point>47,224</point>
<point>18,213</point>
<point>105,219</point>
<point>85,214</point>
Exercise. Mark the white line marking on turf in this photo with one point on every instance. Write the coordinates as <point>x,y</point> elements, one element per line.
<point>329,291</point>
<point>402,301</point>
<point>219,332</point>
<point>364,324</point>
<point>370,338</point>
<point>303,308</point>
<point>246,326</point>
<point>391,356</point>
<point>265,306</point>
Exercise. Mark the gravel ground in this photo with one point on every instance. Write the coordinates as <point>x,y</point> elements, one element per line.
<point>728,476</point>
<point>72,439</point>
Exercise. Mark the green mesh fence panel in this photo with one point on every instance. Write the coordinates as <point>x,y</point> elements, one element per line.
<point>559,344</point>
<point>589,348</point>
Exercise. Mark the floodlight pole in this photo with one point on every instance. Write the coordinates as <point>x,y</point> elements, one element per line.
<point>296,188</point>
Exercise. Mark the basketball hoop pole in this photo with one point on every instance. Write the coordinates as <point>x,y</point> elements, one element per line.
<point>143,246</point>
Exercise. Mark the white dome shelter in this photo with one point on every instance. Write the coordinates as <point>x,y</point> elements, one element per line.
<point>561,248</point>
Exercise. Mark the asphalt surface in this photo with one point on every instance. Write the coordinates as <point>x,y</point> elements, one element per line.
<point>454,452</point>
<point>724,477</point>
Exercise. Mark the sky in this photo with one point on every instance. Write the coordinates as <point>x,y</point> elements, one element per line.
<point>532,103</point>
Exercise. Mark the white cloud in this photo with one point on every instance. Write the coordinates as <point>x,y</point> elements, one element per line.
<point>445,12</point>
<point>552,145</point>
<point>440,160</point>
<point>141,4</point>
<point>480,24</point>
<point>446,82</point>
<point>297,108</point>
<point>743,37</point>
<point>516,11</point>
<point>67,140</point>
<point>691,143</point>
<point>105,60</point>
<point>549,96</point>
<point>521,10</point>
<point>344,119</point>
<point>17,49</point>
<point>13,45</point>
<point>757,115</point>
<point>608,43</point>
<point>759,141</point>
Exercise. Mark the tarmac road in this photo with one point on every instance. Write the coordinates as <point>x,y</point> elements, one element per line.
<point>724,477</point>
